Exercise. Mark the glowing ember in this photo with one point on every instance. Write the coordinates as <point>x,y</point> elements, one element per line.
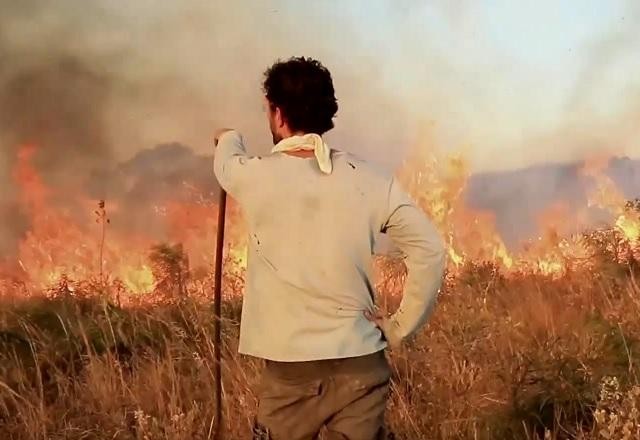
<point>137,280</point>
<point>239,255</point>
<point>630,227</point>
<point>550,267</point>
<point>34,192</point>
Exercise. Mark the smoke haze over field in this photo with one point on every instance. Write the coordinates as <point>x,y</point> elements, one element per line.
<point>96,84</point>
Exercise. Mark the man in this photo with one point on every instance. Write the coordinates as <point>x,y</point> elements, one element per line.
<point>314,215</point>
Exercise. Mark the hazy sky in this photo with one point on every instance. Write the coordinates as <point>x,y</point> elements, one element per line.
<point>512,82</point>
<point>509,83</point>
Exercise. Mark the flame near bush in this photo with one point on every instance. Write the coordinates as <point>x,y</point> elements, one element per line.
<point>104,334</point>
<point>60,244</point>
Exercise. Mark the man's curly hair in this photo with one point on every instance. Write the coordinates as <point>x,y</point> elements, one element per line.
<point>303,90</point>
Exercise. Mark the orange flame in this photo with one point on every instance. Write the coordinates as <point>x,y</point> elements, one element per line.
<point>59,244</point>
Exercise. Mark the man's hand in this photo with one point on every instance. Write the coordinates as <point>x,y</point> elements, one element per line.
<point>219,132</point>
<point>377,317</point>
<point>387,326</point>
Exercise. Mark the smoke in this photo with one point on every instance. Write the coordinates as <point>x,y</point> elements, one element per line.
<point>605,54</point>
<point>167,173</point>
<point>96,85</point>
<point>51,97</point>
<point>603,107</point>
<point>519,197</point>
<point>92,85</point>
<point>80,83</point>
<point>174,71</point>
<point>59,107</point>
<point>600,118</point>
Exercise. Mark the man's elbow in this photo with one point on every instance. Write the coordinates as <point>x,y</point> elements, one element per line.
<point>432,258</point>
<point>440,245</point>
<point>226,180</point>
<point>439,260</point>
<point>436,246</point>
<point>441,257</point>
<point>218,172</point>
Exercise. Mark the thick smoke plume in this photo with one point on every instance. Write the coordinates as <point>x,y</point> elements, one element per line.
<point>167,173</point>
<point>51,98</point>
<point>95,86</point>
<point>58,106</point>
<point>518,197</point>
<point>60,88</point>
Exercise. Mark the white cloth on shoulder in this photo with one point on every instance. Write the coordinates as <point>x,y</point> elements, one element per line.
<point>309,142</point>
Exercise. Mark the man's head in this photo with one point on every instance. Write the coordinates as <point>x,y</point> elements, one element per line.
<point>299,98</point>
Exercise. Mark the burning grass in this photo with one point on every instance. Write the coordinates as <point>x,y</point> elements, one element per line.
<point>106,335</point>
<point>505,356</point>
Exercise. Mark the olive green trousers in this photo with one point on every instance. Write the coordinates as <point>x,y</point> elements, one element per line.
<point>344,397</point>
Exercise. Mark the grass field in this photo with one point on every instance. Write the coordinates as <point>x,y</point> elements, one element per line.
<point>523,356</point>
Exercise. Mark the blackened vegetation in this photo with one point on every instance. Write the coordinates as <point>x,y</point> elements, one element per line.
<point>633,207</point>
<point>170,269</point>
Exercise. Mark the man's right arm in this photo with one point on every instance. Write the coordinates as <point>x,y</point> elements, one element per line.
<point>231,163</point>
<point>423,250</point>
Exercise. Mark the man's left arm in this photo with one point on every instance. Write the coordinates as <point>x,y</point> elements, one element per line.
<point>424,255</point>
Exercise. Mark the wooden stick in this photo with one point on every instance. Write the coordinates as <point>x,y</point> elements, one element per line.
<point>217,307</point>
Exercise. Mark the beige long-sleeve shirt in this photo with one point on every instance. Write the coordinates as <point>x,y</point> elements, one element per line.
<point>310,253</point>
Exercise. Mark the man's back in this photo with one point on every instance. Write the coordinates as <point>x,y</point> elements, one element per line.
<point>311,243</point>
<point>308,280</point>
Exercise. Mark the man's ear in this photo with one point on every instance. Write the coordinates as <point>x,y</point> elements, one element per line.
<point>279,118</point>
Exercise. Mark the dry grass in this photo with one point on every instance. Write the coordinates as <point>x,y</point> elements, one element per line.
<point>519,357</point>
